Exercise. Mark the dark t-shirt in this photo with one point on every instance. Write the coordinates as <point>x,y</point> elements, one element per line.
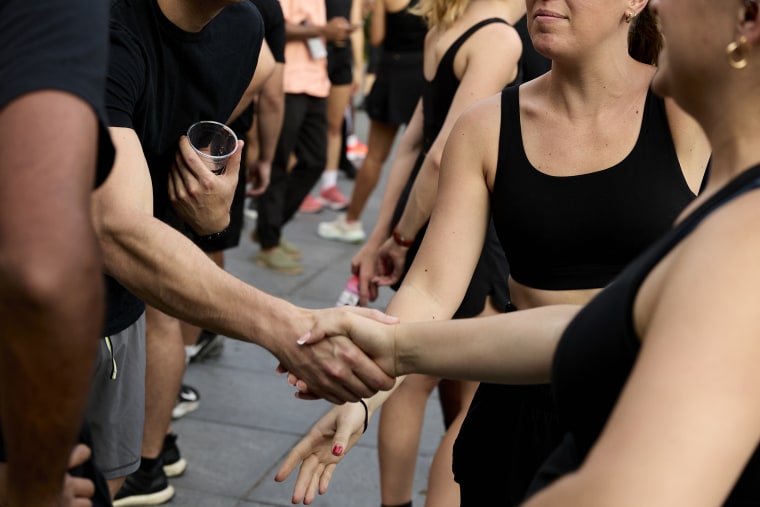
<point>161,80</point>
<point>274,27</point>
<point>66,52</point>
<point>274,34</point>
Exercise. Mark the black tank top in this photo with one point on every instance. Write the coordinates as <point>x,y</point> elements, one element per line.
<point>578,232</point>
<point>404,31</point>
<point>438,94</point>
<point>599,348</point>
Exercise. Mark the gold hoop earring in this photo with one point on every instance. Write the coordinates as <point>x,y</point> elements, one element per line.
<point>736,53</point>
<point>629,16</point>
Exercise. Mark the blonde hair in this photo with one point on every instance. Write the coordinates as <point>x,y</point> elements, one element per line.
<point>440,12</point>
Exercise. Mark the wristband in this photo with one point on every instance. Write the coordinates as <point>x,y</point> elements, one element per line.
<point>401,240</point>
<point>366,415</point>
<point>203,241</point>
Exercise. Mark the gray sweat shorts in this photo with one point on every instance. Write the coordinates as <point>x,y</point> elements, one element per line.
<point>116,409</point>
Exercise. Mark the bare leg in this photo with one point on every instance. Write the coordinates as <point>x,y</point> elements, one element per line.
<point>164,367</point>
<point>337,102</point>
<point>379,144</point>
<point>114,485</point>
<point>442,490</point>
<point>399,437</point>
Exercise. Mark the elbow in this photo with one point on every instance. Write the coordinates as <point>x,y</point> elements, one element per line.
<point>45,283</point>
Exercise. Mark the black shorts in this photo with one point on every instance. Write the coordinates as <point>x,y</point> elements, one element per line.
<point>396,89</point>
<point>340,64</point>
<point>517,423</point>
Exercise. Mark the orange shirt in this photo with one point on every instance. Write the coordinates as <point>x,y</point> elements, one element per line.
<point>302,73</point>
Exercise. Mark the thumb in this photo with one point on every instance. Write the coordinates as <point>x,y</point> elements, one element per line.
<point>233,164</point>
<point>79,455</point>
<point>340,441</point>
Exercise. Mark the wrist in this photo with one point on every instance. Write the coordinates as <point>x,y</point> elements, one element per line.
<point>400,239</point>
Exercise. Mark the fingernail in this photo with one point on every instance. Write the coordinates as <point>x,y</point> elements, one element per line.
<point>337,450</point>
<point>302,340</point>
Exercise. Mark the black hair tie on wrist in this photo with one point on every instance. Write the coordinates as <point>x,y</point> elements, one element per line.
<point>366,415</point>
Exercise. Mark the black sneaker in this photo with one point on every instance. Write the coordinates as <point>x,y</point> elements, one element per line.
<point>174,463</point>
<point>209,345</point>
<point>189,399</point>
<point>145,486</point>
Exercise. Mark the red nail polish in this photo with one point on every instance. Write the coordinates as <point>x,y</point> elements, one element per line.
<point>337,450</point>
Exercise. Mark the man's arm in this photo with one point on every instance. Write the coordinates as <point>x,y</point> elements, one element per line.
<point>264,69</point>
<point>167,271</point>
<point>51,277</point>
<point>270,110</point>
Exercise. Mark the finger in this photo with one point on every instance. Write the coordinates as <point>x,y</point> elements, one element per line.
<point>307,396</point>
<point>324,481</point>
<point>304,478</point>
<point>372,291</point>
<point>311,491</point>
<point>82,487</point>
<point>79,455</point>
<point>190,160</point>
<point>177,188</point>
<point>232,171</point>
<point>255,191</point>
<point>297,455</point>
<point>364,289</point>
<point>369,375</point>
<point>183,175</point>
<point>280,369</point>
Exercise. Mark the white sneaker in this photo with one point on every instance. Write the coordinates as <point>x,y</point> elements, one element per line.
<point>341,230</point>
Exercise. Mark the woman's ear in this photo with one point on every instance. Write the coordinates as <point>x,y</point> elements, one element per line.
<point>636,6</point>
<point>749,24</point>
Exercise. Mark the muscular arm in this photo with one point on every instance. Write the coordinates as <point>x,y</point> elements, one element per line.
<point>271,107</point>
<point>51,277</point>
<point>264,69</point>
<point>162,267</point>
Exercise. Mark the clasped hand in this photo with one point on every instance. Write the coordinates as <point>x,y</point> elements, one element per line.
<point>201,198</point>
<point>362,338</point>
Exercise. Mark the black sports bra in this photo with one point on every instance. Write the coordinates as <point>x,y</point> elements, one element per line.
<point>578,232</point>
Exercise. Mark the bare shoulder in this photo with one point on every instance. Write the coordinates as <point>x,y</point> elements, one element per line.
<point>476,132</point>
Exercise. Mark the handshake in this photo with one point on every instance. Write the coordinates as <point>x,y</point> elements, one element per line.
<point>348,354</point>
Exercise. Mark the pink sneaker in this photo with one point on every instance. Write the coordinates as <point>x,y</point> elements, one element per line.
<point>334,198</point>
<point>311,204</point>
<point>355,149</point>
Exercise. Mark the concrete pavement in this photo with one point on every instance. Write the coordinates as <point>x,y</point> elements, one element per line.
<point>248,419</point>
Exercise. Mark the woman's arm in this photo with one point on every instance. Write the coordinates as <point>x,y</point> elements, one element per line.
<point>364,262</point>
<point>483,76</point>
<point>377,24</point>
<point>514,347</point>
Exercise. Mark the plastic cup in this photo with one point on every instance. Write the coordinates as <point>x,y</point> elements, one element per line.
<point>214,143</point>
